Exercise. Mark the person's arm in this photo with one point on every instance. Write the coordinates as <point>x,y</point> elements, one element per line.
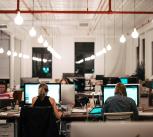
<point>134,109</point>
<point>58,113</point>
<point>34,100</point>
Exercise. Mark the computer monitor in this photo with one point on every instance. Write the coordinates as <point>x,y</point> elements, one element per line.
<point>31,90</point>
<point>124,80</point>
<point>132,92</point>
<point>79,84</point>
<point>66,75</point>
<point>25,80</point>
<point>67,94</point>
<point>99,77</point>
<point>132,80</point>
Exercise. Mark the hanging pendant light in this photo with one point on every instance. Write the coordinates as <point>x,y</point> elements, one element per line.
<point>108,47</point>
<point>135,33</point>
<point>32,31</point>
<point>45,44</point>
<point>9,53</point>
<point>18,20</point>
<point>122,38</point>
<point>40,39</point>
<point>1,50</point>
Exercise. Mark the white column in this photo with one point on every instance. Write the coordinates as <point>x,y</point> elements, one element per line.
<point>12,62</point>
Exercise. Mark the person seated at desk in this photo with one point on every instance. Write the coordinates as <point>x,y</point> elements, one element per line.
<point>64,81</point>
<point>42,100</point>
<point>120,102</point>
<point>3,91</point>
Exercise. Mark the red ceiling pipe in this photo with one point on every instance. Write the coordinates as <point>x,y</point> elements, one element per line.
<point>73,12</point>
<point>88,12</point>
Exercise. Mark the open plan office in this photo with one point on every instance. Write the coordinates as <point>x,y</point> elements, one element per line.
<point>76,68</point>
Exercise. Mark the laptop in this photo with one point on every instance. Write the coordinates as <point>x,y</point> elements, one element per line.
<point>96,111</point>
<point>111,129</point>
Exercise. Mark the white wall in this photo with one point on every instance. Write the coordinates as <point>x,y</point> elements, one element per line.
<point>131,62</point>
<point>64,45</point>
<point>121,61</point>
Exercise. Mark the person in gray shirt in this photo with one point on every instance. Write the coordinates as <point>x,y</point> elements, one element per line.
<point>120,102</point>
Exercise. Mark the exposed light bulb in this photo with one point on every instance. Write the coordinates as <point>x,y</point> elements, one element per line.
<point>135,33</point>
<point>99,53</point>
<point>44,60</point>
<point>45,44</point>
<point>20,55</point>
<point>55,54</point>
<point>18,20</point>
<point>104,50</point>
<point>32,32</point>
<point>9,53</point>
<point>108,47</point>
<point>1,50</point>
<point>40,39</point>
<point>26,56</point>
<point>15,54</point>
<point>122,39</point>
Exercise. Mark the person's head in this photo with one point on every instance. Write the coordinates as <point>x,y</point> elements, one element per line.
<point>43,90</point>
<point>120,89</point>
<point>64,81</point>
<point>3,88</point>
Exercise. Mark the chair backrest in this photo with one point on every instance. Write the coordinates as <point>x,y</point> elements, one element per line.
<point>38,122</point>
<point>118,116</point>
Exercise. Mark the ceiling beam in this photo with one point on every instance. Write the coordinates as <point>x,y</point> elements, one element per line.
<point>72,12</point>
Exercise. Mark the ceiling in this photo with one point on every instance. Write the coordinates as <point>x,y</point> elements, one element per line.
<point>70,23</point>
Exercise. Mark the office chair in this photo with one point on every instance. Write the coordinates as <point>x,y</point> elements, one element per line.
<point>118,116</point>
<point>38,122</point>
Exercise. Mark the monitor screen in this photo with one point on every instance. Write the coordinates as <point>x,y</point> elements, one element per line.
<point>132,92</point>
<point>67,94</point>
<point>79,84</point>
<point>124,80</point>
<point>31,90</point>
<point>99,77</point>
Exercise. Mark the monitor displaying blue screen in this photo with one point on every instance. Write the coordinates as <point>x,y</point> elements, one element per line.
<point>31,90</point>
<point>132,92</point>
<point>124,80</point>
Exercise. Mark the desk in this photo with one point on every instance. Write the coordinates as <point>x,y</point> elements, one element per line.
<point>13,117</point>
<point>9,123</point>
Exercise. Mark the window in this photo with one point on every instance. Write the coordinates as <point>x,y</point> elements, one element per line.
<point>84,50</point>
<point>41,63</point>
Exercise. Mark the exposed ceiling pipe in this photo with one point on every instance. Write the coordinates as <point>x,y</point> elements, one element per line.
<point>72,12</point>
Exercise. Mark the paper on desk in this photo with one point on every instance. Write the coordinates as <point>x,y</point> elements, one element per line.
<point>3,113</point>
<point>78,110</point>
